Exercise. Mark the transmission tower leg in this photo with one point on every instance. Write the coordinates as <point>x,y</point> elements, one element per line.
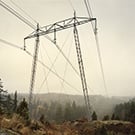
<point>33,74</point>
<point>82,73</point>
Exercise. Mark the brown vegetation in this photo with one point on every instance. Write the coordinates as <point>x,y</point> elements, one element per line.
<point>22,127</point>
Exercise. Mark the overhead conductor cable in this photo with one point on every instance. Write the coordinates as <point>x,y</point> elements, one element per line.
<point>89,10</point>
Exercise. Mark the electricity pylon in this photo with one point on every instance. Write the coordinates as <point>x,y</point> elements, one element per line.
<point>53,28</point>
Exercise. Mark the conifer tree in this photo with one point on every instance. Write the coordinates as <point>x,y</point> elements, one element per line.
<point>15,101</point>
<point>94,116</point>
<point>22,109</point>
<point>3,97</point>
<point>113,117</point>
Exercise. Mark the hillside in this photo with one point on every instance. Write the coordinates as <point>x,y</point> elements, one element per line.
<point>19,124</point>
<point>101,104</point>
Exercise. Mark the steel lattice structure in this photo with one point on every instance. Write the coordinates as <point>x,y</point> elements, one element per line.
<point>53,28</point>
<point>82,72</point>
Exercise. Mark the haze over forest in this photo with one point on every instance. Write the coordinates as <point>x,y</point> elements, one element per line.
<point>115,27</point>
<point>102,105</point>
<point>47,97</point>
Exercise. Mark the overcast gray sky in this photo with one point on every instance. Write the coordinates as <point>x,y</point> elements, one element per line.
<point>116,30</point>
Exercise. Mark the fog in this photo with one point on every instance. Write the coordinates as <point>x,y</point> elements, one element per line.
<point>116,30</point>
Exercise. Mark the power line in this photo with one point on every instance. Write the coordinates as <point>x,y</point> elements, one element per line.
<point>23,11</point>
<point>10,44</point>
<point>89,88</point>
<point>57,46</point>
<point>101,64</point>
<point>55,74</point>
<point>89,7</point>
<point>62,54</point>
<point>33,27</point>
<point>65,58</point>
<point>12,11</point>
<point>52,67</point>
<point>20,17</point>
<point>15,46</point>
<point>66,66</point>
<point>89,10</point>
<point>47,85</point>
<point>53,63</point>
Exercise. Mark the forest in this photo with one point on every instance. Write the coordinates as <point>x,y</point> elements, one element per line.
<point>55,111</point>
<point>14,109</point>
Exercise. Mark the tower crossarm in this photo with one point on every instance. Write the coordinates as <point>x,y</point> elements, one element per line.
<point>61,25</point>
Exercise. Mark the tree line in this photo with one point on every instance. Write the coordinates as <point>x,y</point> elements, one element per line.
<point>58,112</point>
<point>9,105</point>
<point>53,111</point>
<point>125,111</point>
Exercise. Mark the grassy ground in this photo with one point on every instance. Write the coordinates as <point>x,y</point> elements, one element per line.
<point>18,126</point>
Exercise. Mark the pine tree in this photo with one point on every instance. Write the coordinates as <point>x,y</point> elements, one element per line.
<point>3,96</point>
<point>113,117</point>
<point>22,109</point>
<point>9,104</point>
<point>125,111</point>
<point>94,116</point>
<point>15,101</point>
<point>1,89</point>
<point>42,119</point>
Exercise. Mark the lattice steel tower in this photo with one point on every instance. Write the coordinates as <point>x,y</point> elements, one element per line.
<point>53,28</point>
